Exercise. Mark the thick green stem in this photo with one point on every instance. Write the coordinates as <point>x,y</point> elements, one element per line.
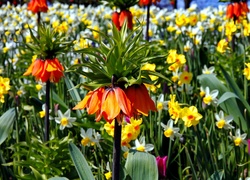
<point>117,151</point>
<point>148,19</point>
<point>46,120</point>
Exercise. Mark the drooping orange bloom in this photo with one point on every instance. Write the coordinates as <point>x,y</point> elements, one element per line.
<point>115,104</point>
<point>237,9</point>
<point>115,20</point>
<point>44,70</point>
<point>92,102</point>
<point>140,99</point>
<point>119,18</point>
<point>111,103</point>
<point>38,6</point>
<point>126,14</point>
<point>147,2</point>
<point>244,8</point>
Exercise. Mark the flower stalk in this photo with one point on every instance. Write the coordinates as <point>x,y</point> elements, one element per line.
<point>147,21</point>
<point>117,151</point>
<point>46,119</point>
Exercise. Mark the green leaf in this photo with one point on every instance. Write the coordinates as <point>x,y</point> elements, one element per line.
<point>218,175</point>
<point>57,99</point>
<point>73,93</point>
<point>6,124</point>
<point>235,88</point>
<point>140,165</point>
<point>37,174</point>
<point>80,163</point>
<point>58,178</point>
<point>226,96</point>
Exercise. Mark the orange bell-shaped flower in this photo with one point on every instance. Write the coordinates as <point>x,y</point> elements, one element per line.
<point>92,101</point>
<point>38,6</point>
<point>115,104</point>
<point>140,99</point>
<point>237,9</point>
<point>45,70</point>
<point>126,15</point>
<point>115,20</point>
<point>230,11</point>
<point>244,8</point>
<point>144,2</point>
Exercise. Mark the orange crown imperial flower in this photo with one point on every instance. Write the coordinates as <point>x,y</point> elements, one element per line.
<point>237,9</point>
<point>147,2</point>
<point>119,19</point>
<point>114,103</point>
<point>44,70</point>
<point>140,99</point>
<point>38,6</point>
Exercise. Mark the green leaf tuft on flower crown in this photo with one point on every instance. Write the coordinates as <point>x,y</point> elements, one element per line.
<point>46,43</point>
<point>122,4</point>
<point>123,56</point>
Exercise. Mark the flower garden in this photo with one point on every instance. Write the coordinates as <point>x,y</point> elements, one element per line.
<point>124,91</point>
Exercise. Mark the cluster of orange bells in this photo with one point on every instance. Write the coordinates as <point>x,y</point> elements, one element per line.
<point>44,70</point>
<point>118,18</point>
<point>38,6</point>
<point>115,102</point>
<point>236,10</point>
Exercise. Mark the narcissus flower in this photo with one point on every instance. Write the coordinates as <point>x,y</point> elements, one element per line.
<point>140,99</point>
<point>170,131</point>
<point>38,6</point>
<point>246,71</point>
<point>4,87</point>
<point>222,46</point>
<point>140,145</point>
<point>223,121</point>
<point>191,116</point>
<point>44,70</point>
<point>210,97</point>
<point>64,119</point>
<point>239,139</point>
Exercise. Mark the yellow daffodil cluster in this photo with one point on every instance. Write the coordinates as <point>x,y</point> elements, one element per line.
<point>189,115</point>
<point>4,87</point>
<point>246,71</point>
<point>130,130</point>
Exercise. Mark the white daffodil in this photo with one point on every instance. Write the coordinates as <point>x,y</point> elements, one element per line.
<point>64,119</point>
<point>187,88</point>
<point>239,139</point>
<point>210,97</point>
<point>90,137</point>
<point>222,121</point>
<point>42,113</point>
<point>97,137</point>
<point>140,145</point>
<point>170,131</point>
<point>161,103</point>
<point>209,70</point>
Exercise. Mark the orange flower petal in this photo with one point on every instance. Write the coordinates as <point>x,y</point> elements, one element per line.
<point>83,104</point>
<point>123,101</point>
<point>110,107</point>
<point>95,101</point>
<point>29,70</point>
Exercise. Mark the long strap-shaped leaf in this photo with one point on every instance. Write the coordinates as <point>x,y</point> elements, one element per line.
<point>80,163</point>
<point>6,124</point>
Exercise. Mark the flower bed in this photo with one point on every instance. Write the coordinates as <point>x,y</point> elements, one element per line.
<point>172,84</point>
